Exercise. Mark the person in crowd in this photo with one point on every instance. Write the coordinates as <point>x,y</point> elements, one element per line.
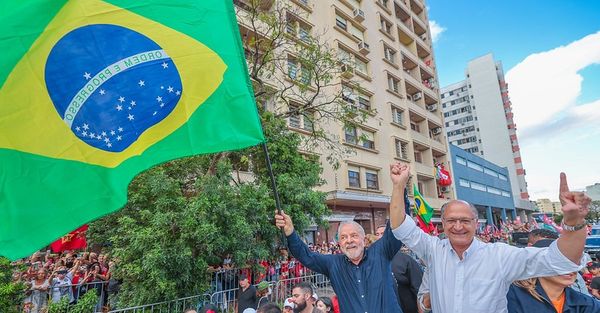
<point>360,277</point>
<point>324,304</point>
<point>593,270</point>
<point>60,284</point>
<point>549,294</point>
<point>288,305</point>
<point>467,275</point>
<point>246,295</point>
<point>39,292</point>
<point>269,308</point>
<point>595,287</point>
<point>540,233</point>
<point>301,297</point>
<point>262,294</point>
<point>407,275</point>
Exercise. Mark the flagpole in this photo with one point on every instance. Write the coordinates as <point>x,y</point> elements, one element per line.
<point>273,184</point>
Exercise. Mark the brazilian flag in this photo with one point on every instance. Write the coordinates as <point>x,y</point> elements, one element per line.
<point>423,211</point>
<point>93,92</point>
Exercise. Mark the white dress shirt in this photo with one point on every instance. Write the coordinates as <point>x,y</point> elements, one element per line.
<point>479,282</point>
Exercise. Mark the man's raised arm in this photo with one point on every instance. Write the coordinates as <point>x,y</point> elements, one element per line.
<point>399,174</point>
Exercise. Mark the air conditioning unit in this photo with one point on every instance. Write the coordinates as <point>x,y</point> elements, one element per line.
<point>431,107</point>
<point>445,189</point>
<point>347,71</point>
<point>359,15</point>
<point>363,47</point>
<point>436,131</point>
<point>416,96</point>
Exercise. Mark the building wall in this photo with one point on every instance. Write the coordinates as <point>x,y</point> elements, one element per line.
<point>593,191</point>
<point>348,25</point>
<point>478,181</point>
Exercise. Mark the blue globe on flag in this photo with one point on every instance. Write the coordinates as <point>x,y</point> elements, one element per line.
<point>109,84</point>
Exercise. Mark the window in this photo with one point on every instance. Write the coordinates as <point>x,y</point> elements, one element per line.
<point>505,194</point>
<point>393,83</point>
<point>421,187</point>
<point>502,177</point>
<point>478,186</point>
<point>351,136</point>
<point>341,22</point>
<point>418,157</point>
<point>357,33</point>
<point>356,98</point>
<point>414,126</point>
<point>490,172</point>
<point>461,161</point>
<point>368,139</point>
<point>401,149</point>
<point>292,68</point>
<point>475,166</point>
<point>464,183</point>
<point>372,180</point>
<point>386,26</point>
<point>296,28</point>
<point>301,120</point>
<point>389,54</point>
<point>354,177</point>
<point>364,102</point>
<point>360,66</point>
<point>397,115</point>
<point>493,190</point>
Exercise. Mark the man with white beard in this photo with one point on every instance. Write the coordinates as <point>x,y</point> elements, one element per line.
<point>361,277</point>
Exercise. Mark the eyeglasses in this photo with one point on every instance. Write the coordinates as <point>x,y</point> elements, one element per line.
<point>456,221</point>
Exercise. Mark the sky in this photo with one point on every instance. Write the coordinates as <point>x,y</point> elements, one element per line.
<point>550,51</point>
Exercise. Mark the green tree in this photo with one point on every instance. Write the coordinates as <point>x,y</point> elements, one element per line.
<point>11,293</point>
<point>181,217</point>
<point>85,304</point>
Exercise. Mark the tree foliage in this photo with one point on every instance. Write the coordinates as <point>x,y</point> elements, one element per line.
<point>180,217</point>
<point>85,304</point>
<point>11,293</point>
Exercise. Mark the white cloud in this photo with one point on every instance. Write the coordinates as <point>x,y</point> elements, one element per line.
<point>556,134</point>
<point>436,30</point>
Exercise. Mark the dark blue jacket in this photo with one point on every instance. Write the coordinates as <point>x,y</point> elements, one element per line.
<point>520,300</point>
<point>363,288</point>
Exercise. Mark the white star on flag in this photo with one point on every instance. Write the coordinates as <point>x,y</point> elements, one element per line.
<point>106,140</point>
<point>121,99</point>
<point>92,135</point>
<point>119,107</point>
<point>120,129</point>
<point>112,132</point>
<point>87,75</point>
<point>86,127</point>
<point>165,65</point>
<point>132,103</point>
<point>142,83</point>
<point>84,134</point>
<point>103,134</point>
<point>154,113</point>
<point>170,89</point>
<point>159,98</point>
<point>162,104</point>
<point>77,128</point>
<point>178,92</point>
<point>102,92</point>
<point>128,108</point>
<point>119,138</point>
<point>130,117</point>
<point>109,144</point>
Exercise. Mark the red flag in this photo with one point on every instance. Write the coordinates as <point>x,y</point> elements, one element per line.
<point>428,228</point>
<point>73,240</point>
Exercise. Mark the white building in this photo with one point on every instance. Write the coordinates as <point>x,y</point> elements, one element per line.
<point>479,119</point>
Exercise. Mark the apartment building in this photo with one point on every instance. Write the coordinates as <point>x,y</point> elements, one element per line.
<point>388,69</point>
<point>548,206</point>
<point>478,118</point>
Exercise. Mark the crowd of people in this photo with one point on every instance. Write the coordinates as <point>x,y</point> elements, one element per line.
<point>67,275</point>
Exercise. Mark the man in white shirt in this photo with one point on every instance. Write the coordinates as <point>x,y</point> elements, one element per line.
<point>467,275</point>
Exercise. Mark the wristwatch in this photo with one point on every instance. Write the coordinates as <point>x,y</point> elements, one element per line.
<point>573,228</point>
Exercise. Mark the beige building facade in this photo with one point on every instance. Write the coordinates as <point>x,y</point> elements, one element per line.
<point>388,69</point>
<point>548,206</point>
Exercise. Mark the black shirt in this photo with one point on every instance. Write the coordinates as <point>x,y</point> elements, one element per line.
<point>246,299</point>
<point>408,277</point>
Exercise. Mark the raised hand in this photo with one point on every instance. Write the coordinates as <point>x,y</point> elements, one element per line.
<point>399,173</point>
<point>575,205</point>
<point>284,221</point>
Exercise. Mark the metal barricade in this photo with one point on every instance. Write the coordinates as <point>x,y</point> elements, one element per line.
<point>283,288</point>
<point>176,306</point>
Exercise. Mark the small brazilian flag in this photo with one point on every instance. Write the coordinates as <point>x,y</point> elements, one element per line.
<point>93,92</point>
<point>423,211</point>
